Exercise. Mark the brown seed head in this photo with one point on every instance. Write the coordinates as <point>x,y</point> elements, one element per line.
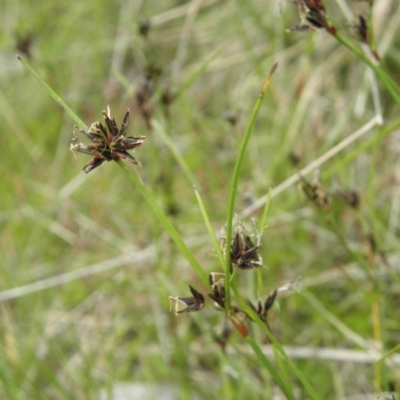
<point>188,304</point>
<point>244,254</point>
<point>108,143</point>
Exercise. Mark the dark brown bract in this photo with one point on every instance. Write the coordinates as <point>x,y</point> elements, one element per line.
<point>313,16</point>
<point>351,197</point>
<point>314,192</point>
<point>108,143</point>
<point>264,306</point>
<point>218,288</point>
<point>360,28</point>
<point>244,254</point>
<point>188,304</point>
<point>314,12</point>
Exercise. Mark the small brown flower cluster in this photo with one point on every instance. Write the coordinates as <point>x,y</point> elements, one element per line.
<point>361,30</point>
<point>236,315</point>
<point>244,256</point>
<point>314,192</point>
<point>263,307</point>
<point>313,16</point>
<point>323,198</point>
<point>108,143</point>
<point>350,197</point>
<point>188,304</point>
<point>244,253</point>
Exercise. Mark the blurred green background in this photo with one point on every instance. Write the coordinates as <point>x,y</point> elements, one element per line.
<point>86,269</point>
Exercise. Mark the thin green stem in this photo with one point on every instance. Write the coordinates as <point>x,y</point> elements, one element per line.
<point>158,212</point>
<point>387,81</point>
<point>285,358</point>
<point>174,150</point>
<point>356,257</point>
<point>388,354</point>
<point>333,320</point>
<point>263,221</point>
<point>235,180</point>
<point>271,369</point>
<point>54,95</point>
<point>261,227</point>
<point>209,227</point>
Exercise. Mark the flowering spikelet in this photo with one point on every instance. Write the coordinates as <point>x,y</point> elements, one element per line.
<point>188,304</point>
<point>244,254</point>
<point>264,306</point>
<point>313,16</point>
<point>314,192</point>
<point>108,142</point>
<point>360,28</point>
<point>351,197</point>
<point>218,288</point>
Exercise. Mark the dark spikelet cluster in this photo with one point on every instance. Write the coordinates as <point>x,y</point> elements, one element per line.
<point>217,283</point>
<point>313,16</point>
<point>108,143</point>
<point>314,192</point>
<point>244,257</point>
<point>188,304</point>
<point>244,253</point>
<point>236,315</point>
<point>263,306</point>
<point>361,30</point>
<point>351,197</point>
<point>314,13</point>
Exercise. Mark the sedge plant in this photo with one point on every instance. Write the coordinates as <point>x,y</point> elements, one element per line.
<point>238,248</point>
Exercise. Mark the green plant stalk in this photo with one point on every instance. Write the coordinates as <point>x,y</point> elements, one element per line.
<point>271,369</point>
<point>377,332</point>
<point>54,95</point>
<point>206,328</point>
<point>388,354</point>
<point>209,228</point>
<point>333,320</point>
<point>234,185</point>
<point>373,176</point>
<point>124,82</point>
<point>261,226</point>
<point>387,81</point>
<point>10,387</point>
<point>263,221</point>
<point>356,257</point>
<point>282,367</point>
<point>248,310</point>
<point>191,178</point>
<point>175,152</point>
<point>175,236</point>
<point>227,390</point>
